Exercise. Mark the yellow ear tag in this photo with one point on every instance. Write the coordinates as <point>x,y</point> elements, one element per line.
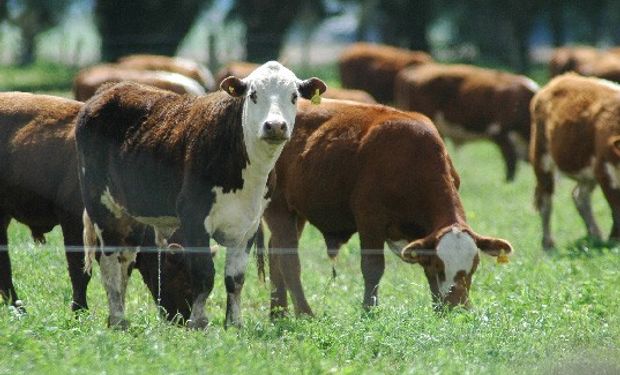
<point>502,258</point>
<point>316,98</point>
<point>231,89</point>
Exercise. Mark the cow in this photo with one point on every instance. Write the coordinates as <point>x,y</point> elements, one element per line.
<point>373,68</point>
<point>469,103</point>
<point>180,65</point>
<point>199,164</point>
<point>88,80</point>
<point>576,131</point>
<point>243,69</point>
<point>39,188</point>
<point>586,61</point>
<point>380,172</point>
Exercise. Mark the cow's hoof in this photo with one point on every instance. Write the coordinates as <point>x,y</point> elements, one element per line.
<point>120,324</point>
<point>236,323</point>
<point>18,308</point>
<point>548,244</point>
<point>198,324</point>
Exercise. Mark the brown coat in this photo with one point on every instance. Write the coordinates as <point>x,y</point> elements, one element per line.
<point>180,65</point>
<point>90,79</point>
<point>369,169</point>
<point>576,131</point>
<point>39,187</point>
<point>468,102</point>
<point>587,61</point>
<point>373,68</point>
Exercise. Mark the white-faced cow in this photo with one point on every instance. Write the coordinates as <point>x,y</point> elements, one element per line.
<point>576,130</point>
<point>469,103</point>
<point>200,164</point>
<point>382,173</point>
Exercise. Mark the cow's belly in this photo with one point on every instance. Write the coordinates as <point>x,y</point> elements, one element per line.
<point>234,217</point>
<point>461,133</point>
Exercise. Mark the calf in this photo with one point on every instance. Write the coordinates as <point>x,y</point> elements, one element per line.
<point>384,174</point>
<point>39,187</point>
<point>183,66</point>
<point>468,103</point>
<point>373,68</point>
<point>576,130</point>
<point>90,79</point>
<point>198,164</point>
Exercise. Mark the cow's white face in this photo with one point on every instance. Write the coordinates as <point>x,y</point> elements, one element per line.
<point>271,93</point>
<point>458,252</point>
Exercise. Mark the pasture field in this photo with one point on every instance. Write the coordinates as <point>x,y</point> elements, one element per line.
<point>556,313</point>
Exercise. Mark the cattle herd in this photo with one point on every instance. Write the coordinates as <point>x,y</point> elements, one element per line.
<point>155,152</point>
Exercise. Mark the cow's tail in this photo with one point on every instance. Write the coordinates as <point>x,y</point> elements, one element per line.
<point>90,243</point>
<point>259,239</point>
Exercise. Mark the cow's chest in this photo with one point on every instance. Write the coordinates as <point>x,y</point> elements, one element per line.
<point>234,216</point>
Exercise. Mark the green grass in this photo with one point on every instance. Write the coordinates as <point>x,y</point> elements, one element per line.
<point>541,313</point>
<point>41,76</point>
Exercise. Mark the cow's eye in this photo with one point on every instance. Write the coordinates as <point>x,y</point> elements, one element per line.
<point>294,98</point>
<point>253,96</point>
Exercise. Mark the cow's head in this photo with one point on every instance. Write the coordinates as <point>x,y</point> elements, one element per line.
<point>271,93</point>
<point>450,258</point>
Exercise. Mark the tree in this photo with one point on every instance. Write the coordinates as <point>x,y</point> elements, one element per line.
<point>144,26</point>
<point>32,17</point>
<point>405,22</point>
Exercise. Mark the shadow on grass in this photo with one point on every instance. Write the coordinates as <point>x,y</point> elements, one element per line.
<point>587,247</point>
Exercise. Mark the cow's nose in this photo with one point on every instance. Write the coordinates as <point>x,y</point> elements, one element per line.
<point>275,130</point>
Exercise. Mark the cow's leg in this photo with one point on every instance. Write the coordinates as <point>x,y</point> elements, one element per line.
<point>115,271</point>
<point>234,277</point>
<point>7,289</point>
<point>74,251</point>
<point>509,153</point>
<point>544,172</point>
<point>279,300</point>
<point>581,196</point>
<point>373,265</point>
<point>612,194</point>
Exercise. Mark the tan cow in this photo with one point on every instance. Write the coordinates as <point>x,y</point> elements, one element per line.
<point>380,172</point>
<point>468,103</point>
<point>373,68</point>
<point>576,131</point>
<point>587,61</point>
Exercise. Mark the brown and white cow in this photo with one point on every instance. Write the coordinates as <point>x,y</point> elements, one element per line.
<point>39,188</point>
<point>469,103</point>
<point>373,68</point>
<point>242,69</point>
<point>198,164</point>
<point>88,80</point>
<point>380,172</point>
<point>576,130</point>
<point>180,65</point>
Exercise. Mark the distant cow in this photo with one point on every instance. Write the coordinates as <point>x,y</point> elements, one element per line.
<point>200,164</point>
<point>384,174</point>
<point>39,187</point>
<point>587,61</point>
<point>243,69</point>
<point>576,130</point>
<point>373,68</point>
<point>90,79</point>
<point>180,65</point>
<point>468,103</point>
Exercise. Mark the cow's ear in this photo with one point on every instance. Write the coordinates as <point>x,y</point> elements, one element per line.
<point>493,246</point>
<point>419,251</point>
<point>234,86</point>
<point>310,87</point>
<point>614,145</point>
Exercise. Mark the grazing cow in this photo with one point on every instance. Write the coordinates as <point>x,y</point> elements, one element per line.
<point>373,68</point>
<point>576,130</point>
<point>467,103</point>
<point>382,173</point>
<point>183,66</point>
<point>198,164</point>
<point>90,79</point>
<point>243,69</point>
<point>39,187</point>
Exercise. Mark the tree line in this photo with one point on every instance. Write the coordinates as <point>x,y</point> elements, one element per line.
<point>501,32</point>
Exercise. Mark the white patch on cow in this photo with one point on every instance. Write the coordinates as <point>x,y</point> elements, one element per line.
<point>396,246</point>
<point>190,85</point>
<point>521,145</point>
<point>89,236</point>
<point>166,225</point>
<point>457,250</point>
<point>110,203</point>
<point>607,83</point>
<point>531,85</point>
<point>613,172</point>
<point>546,163</point>
<point>236,261</point>
<point>454,131</point>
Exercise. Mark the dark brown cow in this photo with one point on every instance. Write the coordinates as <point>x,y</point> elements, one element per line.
<point>243,69</point>
<point>468,103</point>
<point>382,173</point>
<point>39,187</point>
<point>180,65</point>
<point>90,79</point>
<point>195,163</point>
<point>373,68</point>
<point>576,130</point>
